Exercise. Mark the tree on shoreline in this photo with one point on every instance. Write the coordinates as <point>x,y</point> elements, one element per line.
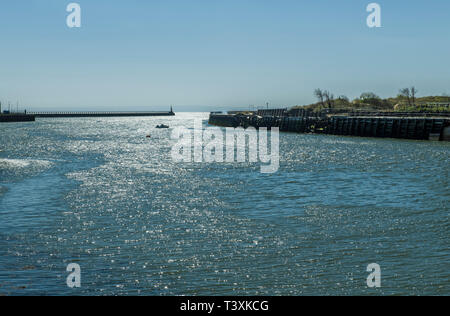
<point>371,100</point>
<point>410,94</point>
<point>329,98</point>
<point>319,95</point>
<point>325,97</point>
<point>406,93</point>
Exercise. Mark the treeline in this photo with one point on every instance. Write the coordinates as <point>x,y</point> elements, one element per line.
<point>406,100</point>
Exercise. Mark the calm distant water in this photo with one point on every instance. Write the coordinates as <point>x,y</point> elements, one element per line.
<point>98,193</point>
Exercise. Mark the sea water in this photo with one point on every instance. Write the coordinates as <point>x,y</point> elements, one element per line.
<point>98,193</point>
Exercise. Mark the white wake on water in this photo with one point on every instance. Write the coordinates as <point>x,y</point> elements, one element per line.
<point>23,163</point>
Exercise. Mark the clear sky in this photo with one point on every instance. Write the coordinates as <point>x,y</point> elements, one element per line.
<point>217,54</point>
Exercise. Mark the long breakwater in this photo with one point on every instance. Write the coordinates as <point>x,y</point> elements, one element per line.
<point>99,114</point>
<point>31,116</point>
<point>419,128</point>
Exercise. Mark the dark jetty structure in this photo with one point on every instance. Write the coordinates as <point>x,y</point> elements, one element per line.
<point>10,118</point>
<point>420,126</point>
<point>31,116</point>
<point>100,114</point>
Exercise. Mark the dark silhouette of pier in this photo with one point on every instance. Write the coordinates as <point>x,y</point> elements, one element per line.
<point>99,114</point>
<point>16,117</point>
<point>419,126</point>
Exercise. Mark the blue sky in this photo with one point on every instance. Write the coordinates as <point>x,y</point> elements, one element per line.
<point>206,55</point>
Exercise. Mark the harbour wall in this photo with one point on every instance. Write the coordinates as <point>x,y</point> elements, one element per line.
<point>99,114</point>
<point>10,118</point>
<point>407,128</point>
<point>419,128</point>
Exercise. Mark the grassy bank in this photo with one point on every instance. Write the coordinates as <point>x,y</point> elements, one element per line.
<point>368,101</point>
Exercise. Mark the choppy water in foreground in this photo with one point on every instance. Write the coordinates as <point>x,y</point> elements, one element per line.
<point>98,193</point>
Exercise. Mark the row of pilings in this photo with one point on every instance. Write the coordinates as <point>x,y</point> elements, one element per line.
<point>406,128</point>
<point>419,128</point>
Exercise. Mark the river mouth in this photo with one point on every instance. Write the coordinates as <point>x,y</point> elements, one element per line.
<point>137,222</point>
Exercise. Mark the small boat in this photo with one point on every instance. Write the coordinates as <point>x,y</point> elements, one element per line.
<point>162,126</point>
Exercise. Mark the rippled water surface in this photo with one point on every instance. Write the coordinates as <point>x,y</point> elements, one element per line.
<point>97,192</point>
